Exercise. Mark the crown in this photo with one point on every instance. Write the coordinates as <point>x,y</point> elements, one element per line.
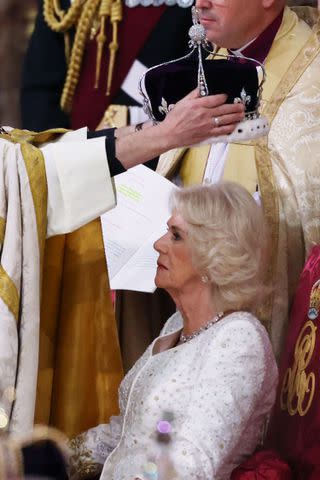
<point>204,68</point>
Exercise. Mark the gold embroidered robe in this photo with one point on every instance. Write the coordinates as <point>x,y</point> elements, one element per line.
<point>286,165</point>
<point>80,365</point>
<point>63,373</point>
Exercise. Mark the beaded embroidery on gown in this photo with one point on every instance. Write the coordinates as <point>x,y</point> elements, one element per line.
<point>219,389</point>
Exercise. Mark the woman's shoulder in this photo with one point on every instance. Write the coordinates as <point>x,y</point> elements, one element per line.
<point>241,332</point>
<point>243,321</point>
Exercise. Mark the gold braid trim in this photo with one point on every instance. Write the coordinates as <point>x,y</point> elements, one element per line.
<point>114,10</point>
<point>270,203</point>
<point>35,166</point>
<point>34,162</point>
<point>9,293</point>
<point>22,136</point>
<point>2,229</point>
<point>82,34</point>
<point>116,17</point>
<point>82,464</point>
<point>104,12</point>
<point>59,20</point>
<point>82,15</point>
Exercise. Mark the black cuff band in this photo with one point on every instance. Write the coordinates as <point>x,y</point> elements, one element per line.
<point>115,166</point>
<point>100,133</point>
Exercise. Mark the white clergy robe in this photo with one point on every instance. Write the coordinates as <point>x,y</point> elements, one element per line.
<point>79,189</point>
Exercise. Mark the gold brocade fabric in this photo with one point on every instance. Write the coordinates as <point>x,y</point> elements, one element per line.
<point>9,293</point>
<point>34,164</point>
<point>35,167</point>
<point>23,206</point>
<point>2,230</point>
<point>80,364</point>
<point>79,358</point>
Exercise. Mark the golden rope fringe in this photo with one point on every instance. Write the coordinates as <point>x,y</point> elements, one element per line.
<point>104,12</point>
<point>82,34</point>
<point>59,20</point>
<point>116,17</point>
<point>82,14</point>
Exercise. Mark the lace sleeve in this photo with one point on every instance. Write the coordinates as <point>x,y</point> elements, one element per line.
<point>91,449</point>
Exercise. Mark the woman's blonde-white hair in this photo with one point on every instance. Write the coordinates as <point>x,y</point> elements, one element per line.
<point>228,239</point>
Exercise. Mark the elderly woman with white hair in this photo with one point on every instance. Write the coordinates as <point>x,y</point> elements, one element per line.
<point>195,404</point>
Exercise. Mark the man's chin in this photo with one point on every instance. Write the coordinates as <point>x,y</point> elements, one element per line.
<point>212,34</point>
<point>215,38</point>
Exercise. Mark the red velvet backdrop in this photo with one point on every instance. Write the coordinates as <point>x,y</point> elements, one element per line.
<point>295,426</point>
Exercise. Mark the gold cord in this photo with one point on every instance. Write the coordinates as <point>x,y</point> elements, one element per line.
<point>82,34</point>
<point>81,15</point>
<point>104,12</point>
<point>115,18</point>
<point>59,20</point>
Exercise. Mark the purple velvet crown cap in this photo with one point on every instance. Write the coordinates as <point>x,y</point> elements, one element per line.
<point>168,83</point>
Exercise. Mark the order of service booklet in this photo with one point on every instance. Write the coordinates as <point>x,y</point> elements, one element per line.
<point>131,228</point>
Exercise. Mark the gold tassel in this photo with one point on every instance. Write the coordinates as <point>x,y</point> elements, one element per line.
<point>67,47</point>
<point>115,18</point>
<point>60,14</point>
<point>104,12</point>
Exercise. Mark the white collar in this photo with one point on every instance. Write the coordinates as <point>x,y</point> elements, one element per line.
<point>238,51</point>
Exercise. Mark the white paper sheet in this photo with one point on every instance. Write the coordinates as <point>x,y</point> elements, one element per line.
<point>130,229</point>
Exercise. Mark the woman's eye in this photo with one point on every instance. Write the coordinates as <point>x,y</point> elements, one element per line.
<point>176,236</point>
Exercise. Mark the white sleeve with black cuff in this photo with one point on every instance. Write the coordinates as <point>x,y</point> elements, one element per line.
<point>80,187</point>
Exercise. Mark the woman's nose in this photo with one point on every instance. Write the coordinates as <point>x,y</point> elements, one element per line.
<point>160,244</point>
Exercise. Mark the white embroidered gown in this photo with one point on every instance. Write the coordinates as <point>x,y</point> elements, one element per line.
<point>218,389</point>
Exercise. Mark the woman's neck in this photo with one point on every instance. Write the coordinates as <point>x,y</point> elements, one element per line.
<point>196,307</point>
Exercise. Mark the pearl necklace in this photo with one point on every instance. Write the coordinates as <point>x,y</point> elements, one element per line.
<point>186,338</point>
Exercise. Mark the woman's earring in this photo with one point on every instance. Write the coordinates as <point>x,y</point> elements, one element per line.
<point>204,278</point>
